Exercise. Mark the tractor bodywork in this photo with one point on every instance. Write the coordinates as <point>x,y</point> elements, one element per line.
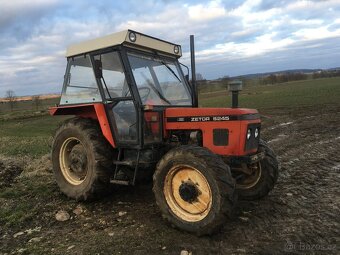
<point>222,130</point>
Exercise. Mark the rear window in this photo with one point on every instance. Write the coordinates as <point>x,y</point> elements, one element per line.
<point>81,85</point>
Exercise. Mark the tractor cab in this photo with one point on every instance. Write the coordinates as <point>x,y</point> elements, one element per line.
<point>133,76</point>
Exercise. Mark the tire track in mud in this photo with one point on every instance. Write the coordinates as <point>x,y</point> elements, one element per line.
<point>310,160</point>
<point>303,209</point>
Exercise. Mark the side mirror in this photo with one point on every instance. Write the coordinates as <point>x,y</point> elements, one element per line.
<point>187,68</point>
<point>187,77</point>
<point>98,68</point>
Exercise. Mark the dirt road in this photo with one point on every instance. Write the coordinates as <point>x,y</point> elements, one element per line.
<point>301,215</point>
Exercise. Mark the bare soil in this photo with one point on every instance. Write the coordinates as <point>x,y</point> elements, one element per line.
<point>300,216</point>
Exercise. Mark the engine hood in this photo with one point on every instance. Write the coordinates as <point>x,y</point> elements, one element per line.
<point>209,114</point>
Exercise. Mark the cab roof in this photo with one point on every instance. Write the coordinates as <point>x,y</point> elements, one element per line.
<point>126,38</point>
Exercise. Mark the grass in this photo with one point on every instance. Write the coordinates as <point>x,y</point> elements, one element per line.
<point>26,130</point>
<point>19,210</point>
<point>28,136</point>
<point>290,94</point>
<point>27,107</point>
<point>18,214</point>
<point>28,186</point>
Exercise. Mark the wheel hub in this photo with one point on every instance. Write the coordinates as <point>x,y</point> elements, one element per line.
<point>188,192</point>
<point>73,161</point>
<point>249,179</point>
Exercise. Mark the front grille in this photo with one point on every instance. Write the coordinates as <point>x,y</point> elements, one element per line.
<point>252,142</point>
<point>220,137</point>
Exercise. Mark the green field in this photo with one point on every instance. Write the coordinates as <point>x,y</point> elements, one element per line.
<point>28,136</point>
<point>26,131</point>
<point>290,94</point>
<point>26,108</point>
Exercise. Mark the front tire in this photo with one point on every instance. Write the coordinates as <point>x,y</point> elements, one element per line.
<point>263,178</point>
<point>81,159</point>
<point>194,189</point>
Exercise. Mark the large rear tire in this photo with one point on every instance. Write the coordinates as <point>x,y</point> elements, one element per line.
<point>82,159</point>
<point>194,189</point>
<point>263,177</point>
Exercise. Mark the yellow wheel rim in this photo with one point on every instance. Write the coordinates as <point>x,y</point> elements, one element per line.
<point>73,161</point>
<point>252,179</point>
<point>188,193</point>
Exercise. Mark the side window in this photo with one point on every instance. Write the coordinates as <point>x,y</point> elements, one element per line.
<point>81,85</point>
<point>114,82</point>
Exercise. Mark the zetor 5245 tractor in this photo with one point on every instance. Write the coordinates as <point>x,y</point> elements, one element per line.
<point>136,111</point>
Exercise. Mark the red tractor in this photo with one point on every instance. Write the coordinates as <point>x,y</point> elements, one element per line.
<point>136,111</point>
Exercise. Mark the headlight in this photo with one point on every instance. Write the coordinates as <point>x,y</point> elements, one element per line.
<point>132,37</point>
<point>256,132</point>
<point>248,134</point>
<point>176,49</point>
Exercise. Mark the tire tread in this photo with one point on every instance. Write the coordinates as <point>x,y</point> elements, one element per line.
<point>102,151</point>
<point>220,172</point>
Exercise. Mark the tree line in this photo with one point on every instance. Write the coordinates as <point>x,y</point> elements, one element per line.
<point>11,100</point>
<point>296,76</point>
<point>283,77</point>
<point>326,74</point>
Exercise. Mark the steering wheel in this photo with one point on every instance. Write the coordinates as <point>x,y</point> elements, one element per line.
<point>147,93</point>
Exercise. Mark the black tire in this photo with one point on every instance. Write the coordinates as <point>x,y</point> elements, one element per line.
<point>217,175</point>
<point>98,162</point>
<point>268,177</point>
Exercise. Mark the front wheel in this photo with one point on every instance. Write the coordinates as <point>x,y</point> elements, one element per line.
<point>194,189</point>
<point>260,178</point>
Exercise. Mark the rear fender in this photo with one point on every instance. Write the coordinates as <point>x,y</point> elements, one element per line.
<point>93,111</point>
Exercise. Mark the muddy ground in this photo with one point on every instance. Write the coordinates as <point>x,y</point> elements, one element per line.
<point>301,215</point>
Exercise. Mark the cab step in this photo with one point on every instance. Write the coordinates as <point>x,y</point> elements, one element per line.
<point>124,163</point>
<point>120,182</point>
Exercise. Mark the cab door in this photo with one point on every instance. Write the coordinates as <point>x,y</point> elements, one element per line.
<point>120,106</point>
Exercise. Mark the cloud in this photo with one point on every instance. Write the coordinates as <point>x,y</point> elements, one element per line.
<point>230,51</point>
<point>18,19</point>
<point>312,54</point>
<point>204,12</point>
<point>316,33</point>
<point>232,37</point>
<point>11,10</point>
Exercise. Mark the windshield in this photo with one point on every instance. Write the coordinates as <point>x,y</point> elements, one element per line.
<point>159,81</point>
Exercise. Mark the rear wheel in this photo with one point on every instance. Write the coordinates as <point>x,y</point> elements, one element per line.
<point>260,178</point>
<point>194,189</point>
<point>81,159</point>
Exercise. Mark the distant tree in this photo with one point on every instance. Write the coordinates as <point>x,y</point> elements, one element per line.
<point>316,75</point>
<point>36,101</point>
<point>326,74</point>
<point>11,98</point>
<point>199,77</point>
<point>272,79</point>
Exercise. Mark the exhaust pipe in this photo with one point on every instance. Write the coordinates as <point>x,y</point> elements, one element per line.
<point>234,87</point>
<point>193,71</point>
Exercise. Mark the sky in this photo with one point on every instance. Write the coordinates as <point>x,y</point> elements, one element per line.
<point>232,37</point>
